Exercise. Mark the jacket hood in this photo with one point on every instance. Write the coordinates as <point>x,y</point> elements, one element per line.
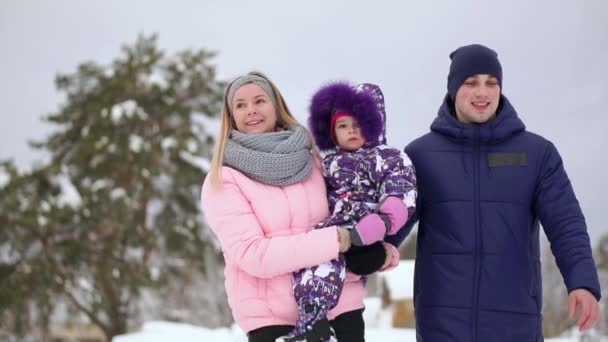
<point>505,125</point>
<point>376,92</point>
<point>359,101</point>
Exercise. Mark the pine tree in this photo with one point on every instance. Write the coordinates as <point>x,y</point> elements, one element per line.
<point>116,209</point>
<point>27,286</point>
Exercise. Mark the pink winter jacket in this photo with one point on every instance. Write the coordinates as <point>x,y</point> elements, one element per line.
<point>266,233</point>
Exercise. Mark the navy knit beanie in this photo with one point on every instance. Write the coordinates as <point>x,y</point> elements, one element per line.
<point>472,60</point>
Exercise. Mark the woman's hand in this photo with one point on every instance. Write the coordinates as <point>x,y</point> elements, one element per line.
<point>344,239</point>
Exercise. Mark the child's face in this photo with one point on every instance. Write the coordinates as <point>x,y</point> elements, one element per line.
<point>348,133</point>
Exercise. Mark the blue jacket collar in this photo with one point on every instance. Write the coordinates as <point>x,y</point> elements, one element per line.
<point>505,125</point>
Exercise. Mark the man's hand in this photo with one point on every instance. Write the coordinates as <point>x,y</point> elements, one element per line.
<point>590,308</point>
<point>389,255</point>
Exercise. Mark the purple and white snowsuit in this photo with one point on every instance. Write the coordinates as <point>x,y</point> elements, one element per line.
<point>356,182</point>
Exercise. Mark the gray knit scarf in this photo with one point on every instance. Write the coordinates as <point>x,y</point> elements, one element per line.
<point>277,158</point>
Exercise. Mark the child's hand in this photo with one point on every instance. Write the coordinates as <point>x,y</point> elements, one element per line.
<point>369,229</point>
<point>395,209</point>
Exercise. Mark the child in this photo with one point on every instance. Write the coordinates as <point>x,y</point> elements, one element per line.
<point>371,188</point>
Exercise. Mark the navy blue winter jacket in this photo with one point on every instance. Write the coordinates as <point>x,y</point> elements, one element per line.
<point>483,189</point>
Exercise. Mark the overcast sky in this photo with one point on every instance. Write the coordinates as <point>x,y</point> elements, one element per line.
<point>554,56</point>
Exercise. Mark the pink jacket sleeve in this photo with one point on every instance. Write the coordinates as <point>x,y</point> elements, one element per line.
<point>242,238</point>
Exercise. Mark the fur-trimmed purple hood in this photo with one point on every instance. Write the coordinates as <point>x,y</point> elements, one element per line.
<point>344,97</point>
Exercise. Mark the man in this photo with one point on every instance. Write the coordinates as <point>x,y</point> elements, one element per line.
<point>484,185</point>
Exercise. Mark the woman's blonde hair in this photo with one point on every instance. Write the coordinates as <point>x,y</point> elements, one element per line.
<point>284,119</point>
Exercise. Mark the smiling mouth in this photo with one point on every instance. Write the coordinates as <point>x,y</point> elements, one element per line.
<point>252,123</point>
<point>480,105</point>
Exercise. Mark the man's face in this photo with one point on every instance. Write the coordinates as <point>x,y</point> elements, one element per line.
<point>477,99</point>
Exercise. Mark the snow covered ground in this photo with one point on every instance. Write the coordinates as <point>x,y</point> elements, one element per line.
<point>378,329</point>
<point>171,332</point>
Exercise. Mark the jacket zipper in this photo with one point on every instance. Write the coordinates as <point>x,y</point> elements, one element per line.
<point>477,219</point>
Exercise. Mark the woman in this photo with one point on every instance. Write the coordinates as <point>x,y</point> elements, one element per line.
<point>262,198</point>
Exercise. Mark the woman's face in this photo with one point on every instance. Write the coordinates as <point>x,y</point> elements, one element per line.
<point>253,110</point>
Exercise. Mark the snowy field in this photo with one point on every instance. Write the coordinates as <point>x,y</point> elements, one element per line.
<point>171,332</point>
<point>377,329</point>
